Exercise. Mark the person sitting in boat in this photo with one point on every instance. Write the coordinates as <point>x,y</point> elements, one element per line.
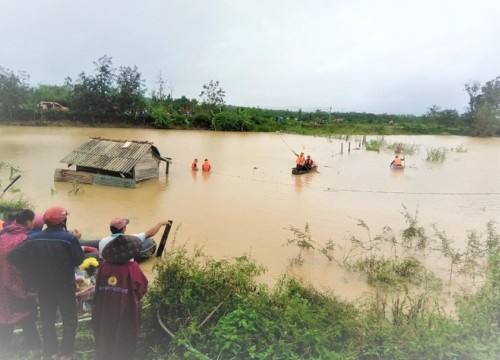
<point>118,226</point>
<point>194,165</point>
<point>398,161</point>
<point>301,161</point>
<point>310,164</point>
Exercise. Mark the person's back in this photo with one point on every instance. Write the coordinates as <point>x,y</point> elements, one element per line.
<point>17,304</point>
<point>116,309</point>
<point>48,259</point>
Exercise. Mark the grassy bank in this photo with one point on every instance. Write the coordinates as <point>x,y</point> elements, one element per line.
<point>314,128</point>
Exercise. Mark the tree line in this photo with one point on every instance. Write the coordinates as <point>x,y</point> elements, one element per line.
<point>119,96</point>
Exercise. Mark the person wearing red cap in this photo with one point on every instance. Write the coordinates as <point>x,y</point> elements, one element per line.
<point>118,226</point>
<point>17,304</point>
<point>47,260</point>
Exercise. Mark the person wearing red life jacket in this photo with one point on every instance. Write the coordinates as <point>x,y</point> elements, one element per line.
<point>310,164</point>
<point>194,165</point>
<point>206,166</point>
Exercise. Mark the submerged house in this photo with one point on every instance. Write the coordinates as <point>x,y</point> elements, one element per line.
<point>112,162</point>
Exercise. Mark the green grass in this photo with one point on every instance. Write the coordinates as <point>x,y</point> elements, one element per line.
<point>436,154</point>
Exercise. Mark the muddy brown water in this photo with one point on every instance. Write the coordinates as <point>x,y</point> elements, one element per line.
<point>250,199</point>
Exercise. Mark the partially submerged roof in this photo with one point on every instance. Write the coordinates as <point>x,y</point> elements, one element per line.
<point>109,154</point>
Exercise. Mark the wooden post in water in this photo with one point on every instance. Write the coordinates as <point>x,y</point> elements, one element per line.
<point>349,148</point>
<point>341,148</point>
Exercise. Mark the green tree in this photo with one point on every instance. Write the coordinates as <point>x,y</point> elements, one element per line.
<point>212,96</point>
<point>184,106</point>
<point>491,92</point>
<point>57,93</point>
<point>159,95</point>
<point>483,117</point>
<point>130,96</point>
<point>14,91</point>
<point>93,96</point>
<point>442,117</point>
<point>227,120</point>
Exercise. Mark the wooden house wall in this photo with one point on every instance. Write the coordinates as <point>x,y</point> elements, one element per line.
<point>148,167</point>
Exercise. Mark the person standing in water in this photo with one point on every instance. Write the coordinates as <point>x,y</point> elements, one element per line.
<point>206,166</point>
<point>194,165</point>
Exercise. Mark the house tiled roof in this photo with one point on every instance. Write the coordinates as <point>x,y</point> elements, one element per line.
<point>108,154</point>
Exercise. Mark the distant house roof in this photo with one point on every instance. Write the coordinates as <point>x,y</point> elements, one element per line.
<point>109,154</point>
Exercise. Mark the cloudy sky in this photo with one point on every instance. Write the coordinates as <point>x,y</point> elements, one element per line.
<point>380,56</point>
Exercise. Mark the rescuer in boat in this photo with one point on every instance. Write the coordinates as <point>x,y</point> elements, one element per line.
<point>301,161</point>
<point>310,164</point>
<point>397,161</point>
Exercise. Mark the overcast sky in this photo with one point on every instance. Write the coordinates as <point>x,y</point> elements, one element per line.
<point>380,56</point>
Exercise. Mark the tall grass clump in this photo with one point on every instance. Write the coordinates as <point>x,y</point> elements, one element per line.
<point>408,149</point>
<point>375,144</point>
<point>436,154</point>
<point>459,149</point>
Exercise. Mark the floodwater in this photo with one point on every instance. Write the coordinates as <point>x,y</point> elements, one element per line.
<point>248,202</point>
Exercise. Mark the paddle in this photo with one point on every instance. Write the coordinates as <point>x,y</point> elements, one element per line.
<point>163,240</point>
<point>288,145</point>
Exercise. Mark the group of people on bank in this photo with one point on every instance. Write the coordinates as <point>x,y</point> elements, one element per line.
<point>38,258</point>
<point>206,167</point>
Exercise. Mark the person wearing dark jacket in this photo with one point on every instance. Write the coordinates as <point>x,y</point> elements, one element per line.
<point>47,260</point>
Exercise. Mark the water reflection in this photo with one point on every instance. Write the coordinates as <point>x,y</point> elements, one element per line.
<point>206,175</point>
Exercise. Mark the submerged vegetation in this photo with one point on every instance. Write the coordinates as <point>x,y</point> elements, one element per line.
<point>436,154</point>
<point>202,308</point>
<point>380,144</point>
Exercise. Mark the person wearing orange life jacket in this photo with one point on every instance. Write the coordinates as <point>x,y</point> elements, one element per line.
<point>397,161</point>
<point>206,166</point>
<point>301,160</point>
<point>194,165</point>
